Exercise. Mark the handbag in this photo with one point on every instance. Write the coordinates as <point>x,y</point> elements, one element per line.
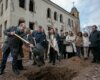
<point>66,43</point>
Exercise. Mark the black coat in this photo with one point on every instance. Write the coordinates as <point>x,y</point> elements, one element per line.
<point>12,41</point>
<point>95,39</point>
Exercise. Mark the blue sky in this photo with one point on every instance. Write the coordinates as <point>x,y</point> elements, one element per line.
<point>89,10</point>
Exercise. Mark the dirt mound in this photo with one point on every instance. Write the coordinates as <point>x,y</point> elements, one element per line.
<point>76,63</point>
<point>52,73</point>
<point>66,70</point>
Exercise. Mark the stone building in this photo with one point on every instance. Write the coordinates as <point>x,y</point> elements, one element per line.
<point>37,12</point>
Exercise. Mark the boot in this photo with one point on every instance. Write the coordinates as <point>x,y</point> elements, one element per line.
<point>34,63</point>
<point>93,61</point>
<point>2,69</point>
<point>20,65</point>
<point>16,71</point>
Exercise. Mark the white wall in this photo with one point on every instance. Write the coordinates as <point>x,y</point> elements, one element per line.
<point>39,17</point>
<point>5,16</point>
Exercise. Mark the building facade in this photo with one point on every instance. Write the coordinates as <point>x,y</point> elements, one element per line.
<point>37,12</point>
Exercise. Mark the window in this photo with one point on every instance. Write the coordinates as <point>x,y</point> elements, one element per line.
<point>61,18</point>
<point>48,13</point>
<point>72,24</point>
<point>22,3</point>
<point>55,16</point>
<point>62,28</point>
<point>31,5</point>
<point>69,22</point>
<point>31,25</point>
<point>5,25</point>
<point>6,4</point>
<point>73,14</point>
<point>1,9</point>
<point>0,1</point>
<point>0,30</point>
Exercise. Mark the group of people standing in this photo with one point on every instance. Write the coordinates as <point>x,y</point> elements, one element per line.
<point>48,45</point>
<point>82,44</point>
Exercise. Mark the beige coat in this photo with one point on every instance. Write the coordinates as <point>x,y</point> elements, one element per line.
<point>72,47</point>
<point>79,41</point>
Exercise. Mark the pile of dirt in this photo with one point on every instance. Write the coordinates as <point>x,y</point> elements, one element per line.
<point>76,63</point>
<point>65,70</point>
<point>52,73</point>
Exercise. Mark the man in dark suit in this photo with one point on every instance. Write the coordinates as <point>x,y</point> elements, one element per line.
<point>95,43</point>
<point>13,45</point>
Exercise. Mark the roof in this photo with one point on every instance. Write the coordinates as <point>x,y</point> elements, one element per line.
<point>74,9</point>
<point>58,7</point>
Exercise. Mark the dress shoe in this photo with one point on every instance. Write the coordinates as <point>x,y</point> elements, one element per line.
<point>16,72</point>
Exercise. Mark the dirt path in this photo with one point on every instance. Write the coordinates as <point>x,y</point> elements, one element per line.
<point>72,69</point>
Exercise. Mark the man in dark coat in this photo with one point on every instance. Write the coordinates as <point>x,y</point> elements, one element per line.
<point>62,46</point>
<point>40,44</point>
<point>14,45</point>
<point>95,43</point>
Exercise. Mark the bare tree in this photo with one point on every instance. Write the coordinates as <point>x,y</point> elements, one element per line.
<point>87,29</point>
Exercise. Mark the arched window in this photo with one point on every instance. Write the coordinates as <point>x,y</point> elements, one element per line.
<point>31,5</point>
<point>1,9</point>
<point>6,4</point>
<point>69,22</point>
<point>1,30</point>
<point>22,3</point>
<point>55,16</point>
<point>0,1</point>
<point>5,25</point>
<point>72,23</point>
<point>61,18</point>
<point>31,25</point>
<point>48,13</point>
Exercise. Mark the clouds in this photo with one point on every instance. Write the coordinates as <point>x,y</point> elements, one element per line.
<point>66,4</point>
<point>89,10</point>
